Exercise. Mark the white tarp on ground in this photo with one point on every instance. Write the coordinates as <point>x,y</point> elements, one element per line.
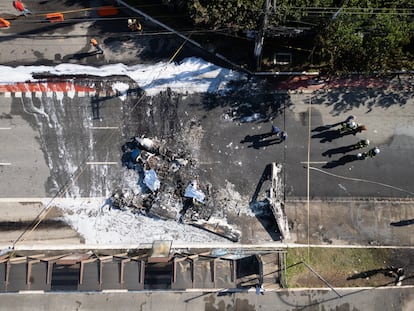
<point>192,75</point>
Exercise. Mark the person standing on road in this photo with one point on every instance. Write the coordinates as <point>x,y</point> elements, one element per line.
<point>19,6</point>
<point>373,152</point>
<point>282,135</point>
<point>134,25</point>
<point>95,44</point>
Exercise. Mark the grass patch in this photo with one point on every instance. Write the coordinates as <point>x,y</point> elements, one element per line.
<point>341,267</point>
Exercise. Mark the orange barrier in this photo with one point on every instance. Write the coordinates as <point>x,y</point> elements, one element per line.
<point>4,23</point>
<point>55,17</point>
<point>108,10</point>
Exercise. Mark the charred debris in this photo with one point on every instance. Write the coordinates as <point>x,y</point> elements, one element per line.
<point>169,188</point>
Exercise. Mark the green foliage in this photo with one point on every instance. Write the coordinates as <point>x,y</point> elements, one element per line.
<point>234,14</point>
<point>366,42</point>
<point>365,36</point>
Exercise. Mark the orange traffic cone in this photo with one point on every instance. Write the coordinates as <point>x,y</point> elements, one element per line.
<point>4,23</point>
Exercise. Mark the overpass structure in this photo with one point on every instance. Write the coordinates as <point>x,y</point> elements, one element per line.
<point>158,268</point>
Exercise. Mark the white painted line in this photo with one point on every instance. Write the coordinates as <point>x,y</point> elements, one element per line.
<point>114,291</point>
<point>5,163</point>
<point>102,163</point>
<point>28,94</point>
<point>38,94</point>
<point>18,94</point>
<point>7,94</point>
<point>47,199</point>
<point>5,128</point>
<point>314,162</point>
<point>31,291</point>
<point>104,127</point>
<point>81,94</point>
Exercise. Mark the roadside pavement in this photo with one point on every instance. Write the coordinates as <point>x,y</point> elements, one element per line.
<point>356,299</point>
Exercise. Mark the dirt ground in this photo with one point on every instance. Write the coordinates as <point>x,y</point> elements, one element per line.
<point>350,267</point>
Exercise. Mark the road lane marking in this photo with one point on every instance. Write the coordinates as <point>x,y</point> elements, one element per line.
<point>102,163</point>
<point>313,162</point>
<point>361,180</point>
<point>5,163</point>
<point>5,128</point>
<point>104,127</point>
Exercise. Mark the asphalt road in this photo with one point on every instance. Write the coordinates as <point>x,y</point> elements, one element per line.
<point>364,299</point>
<point>46,146</point>
<point>47,143</point>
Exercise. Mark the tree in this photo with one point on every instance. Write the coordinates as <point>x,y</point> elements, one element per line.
<point>353,35</point>
<point>234,14</point>
<point>365,42</point>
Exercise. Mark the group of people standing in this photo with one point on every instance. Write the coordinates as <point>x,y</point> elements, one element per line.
<point>350,124</point>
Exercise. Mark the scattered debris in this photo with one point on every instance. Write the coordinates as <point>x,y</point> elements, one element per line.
<point>162,173</point>
<point>219,228</point>
<point>192,191</point>
<point>151,180</point>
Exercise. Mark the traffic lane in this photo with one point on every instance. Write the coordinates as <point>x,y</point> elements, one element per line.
<point>37,21</point>
<point>26,171</point>
<point>34,40</point>
<point>232,153</point>
<point>367,299</point>
<point>386,175</point>
<point>54,139</point>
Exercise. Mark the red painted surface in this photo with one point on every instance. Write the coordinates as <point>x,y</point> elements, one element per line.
<point>44,87</point>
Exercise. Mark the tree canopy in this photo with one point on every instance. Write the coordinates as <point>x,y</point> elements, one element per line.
<point>352,35</point>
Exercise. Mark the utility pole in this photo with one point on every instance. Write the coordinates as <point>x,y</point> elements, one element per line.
<point>258,44</point>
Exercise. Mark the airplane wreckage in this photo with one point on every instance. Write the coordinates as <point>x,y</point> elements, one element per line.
<point>169,188</point>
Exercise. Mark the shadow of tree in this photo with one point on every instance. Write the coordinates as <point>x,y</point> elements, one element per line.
<point>397,92</point>
<point>244,106</point>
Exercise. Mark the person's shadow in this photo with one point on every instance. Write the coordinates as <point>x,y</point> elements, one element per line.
<point>79,56</point>
<point>343,150</point>
<point>402,223</point>
<point>365,274</point>
<point>341,161</point>
<point>261,140</point>
<point>323,128</point>
<point>327,136</point>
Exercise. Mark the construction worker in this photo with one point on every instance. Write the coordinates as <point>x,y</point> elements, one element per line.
<point>283,135</point>
<point>19,6</point>
<point>362,144</point>
<point>373,152</point>
<point>95,44</point>
<point>134,25</point>
<point>350,121</point>
<point>275,130</point>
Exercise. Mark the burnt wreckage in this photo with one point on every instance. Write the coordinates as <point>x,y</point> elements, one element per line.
<point>169,187</point>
